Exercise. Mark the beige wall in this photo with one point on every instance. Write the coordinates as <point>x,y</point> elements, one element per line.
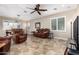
<point>45,23</point>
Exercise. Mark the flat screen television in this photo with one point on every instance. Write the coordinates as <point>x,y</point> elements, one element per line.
<point>76,32</point>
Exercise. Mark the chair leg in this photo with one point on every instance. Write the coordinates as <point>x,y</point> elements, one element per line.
<point>66,51</point>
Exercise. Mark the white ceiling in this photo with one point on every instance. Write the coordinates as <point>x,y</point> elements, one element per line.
<point>12,10</point>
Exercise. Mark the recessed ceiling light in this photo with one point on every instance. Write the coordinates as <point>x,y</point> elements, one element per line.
<point>25,11</point>
<point>18,15</point>
<point>68,7</point>
<point>55,9</point>
<point>63,5</point>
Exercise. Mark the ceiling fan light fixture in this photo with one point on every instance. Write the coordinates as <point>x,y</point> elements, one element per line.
<point>37,9</point>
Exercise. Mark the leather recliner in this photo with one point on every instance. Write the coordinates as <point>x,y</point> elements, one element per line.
<point>42,33</point>
<point>19,36</point>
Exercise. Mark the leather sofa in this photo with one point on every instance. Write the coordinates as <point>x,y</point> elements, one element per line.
<point>42,33</point>
<point>7,44</point>
<point>19,36</point>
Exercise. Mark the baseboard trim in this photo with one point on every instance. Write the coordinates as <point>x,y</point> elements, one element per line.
<point>61,38</point>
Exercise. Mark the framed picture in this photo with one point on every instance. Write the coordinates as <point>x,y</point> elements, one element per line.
<point>37,25</point>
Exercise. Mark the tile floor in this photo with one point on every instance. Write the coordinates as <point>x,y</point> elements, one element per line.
<point>39,46</point>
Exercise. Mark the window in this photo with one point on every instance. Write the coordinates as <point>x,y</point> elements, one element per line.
<point>58,23</point>
<point>54,24</point>
<point>9,25</point>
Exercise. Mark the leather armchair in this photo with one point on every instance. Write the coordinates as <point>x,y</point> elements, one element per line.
<point>19,36</point>
<point>42,33</point>
<point>6,47</point>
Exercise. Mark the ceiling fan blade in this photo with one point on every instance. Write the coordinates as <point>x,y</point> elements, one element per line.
<point>30,8</point>
<point>32,12</point>
<point>39,13</point>
<point>42,9</point>
<point>37,6</point>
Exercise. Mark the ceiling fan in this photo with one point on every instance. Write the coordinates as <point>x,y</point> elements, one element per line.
<point>37,9</point>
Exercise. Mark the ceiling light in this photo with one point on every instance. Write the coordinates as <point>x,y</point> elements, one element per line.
<point>63,5</point>
<point>55,9</point>
<point>18,15</point>
<point>68,6</point>
<point>25,11</point>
